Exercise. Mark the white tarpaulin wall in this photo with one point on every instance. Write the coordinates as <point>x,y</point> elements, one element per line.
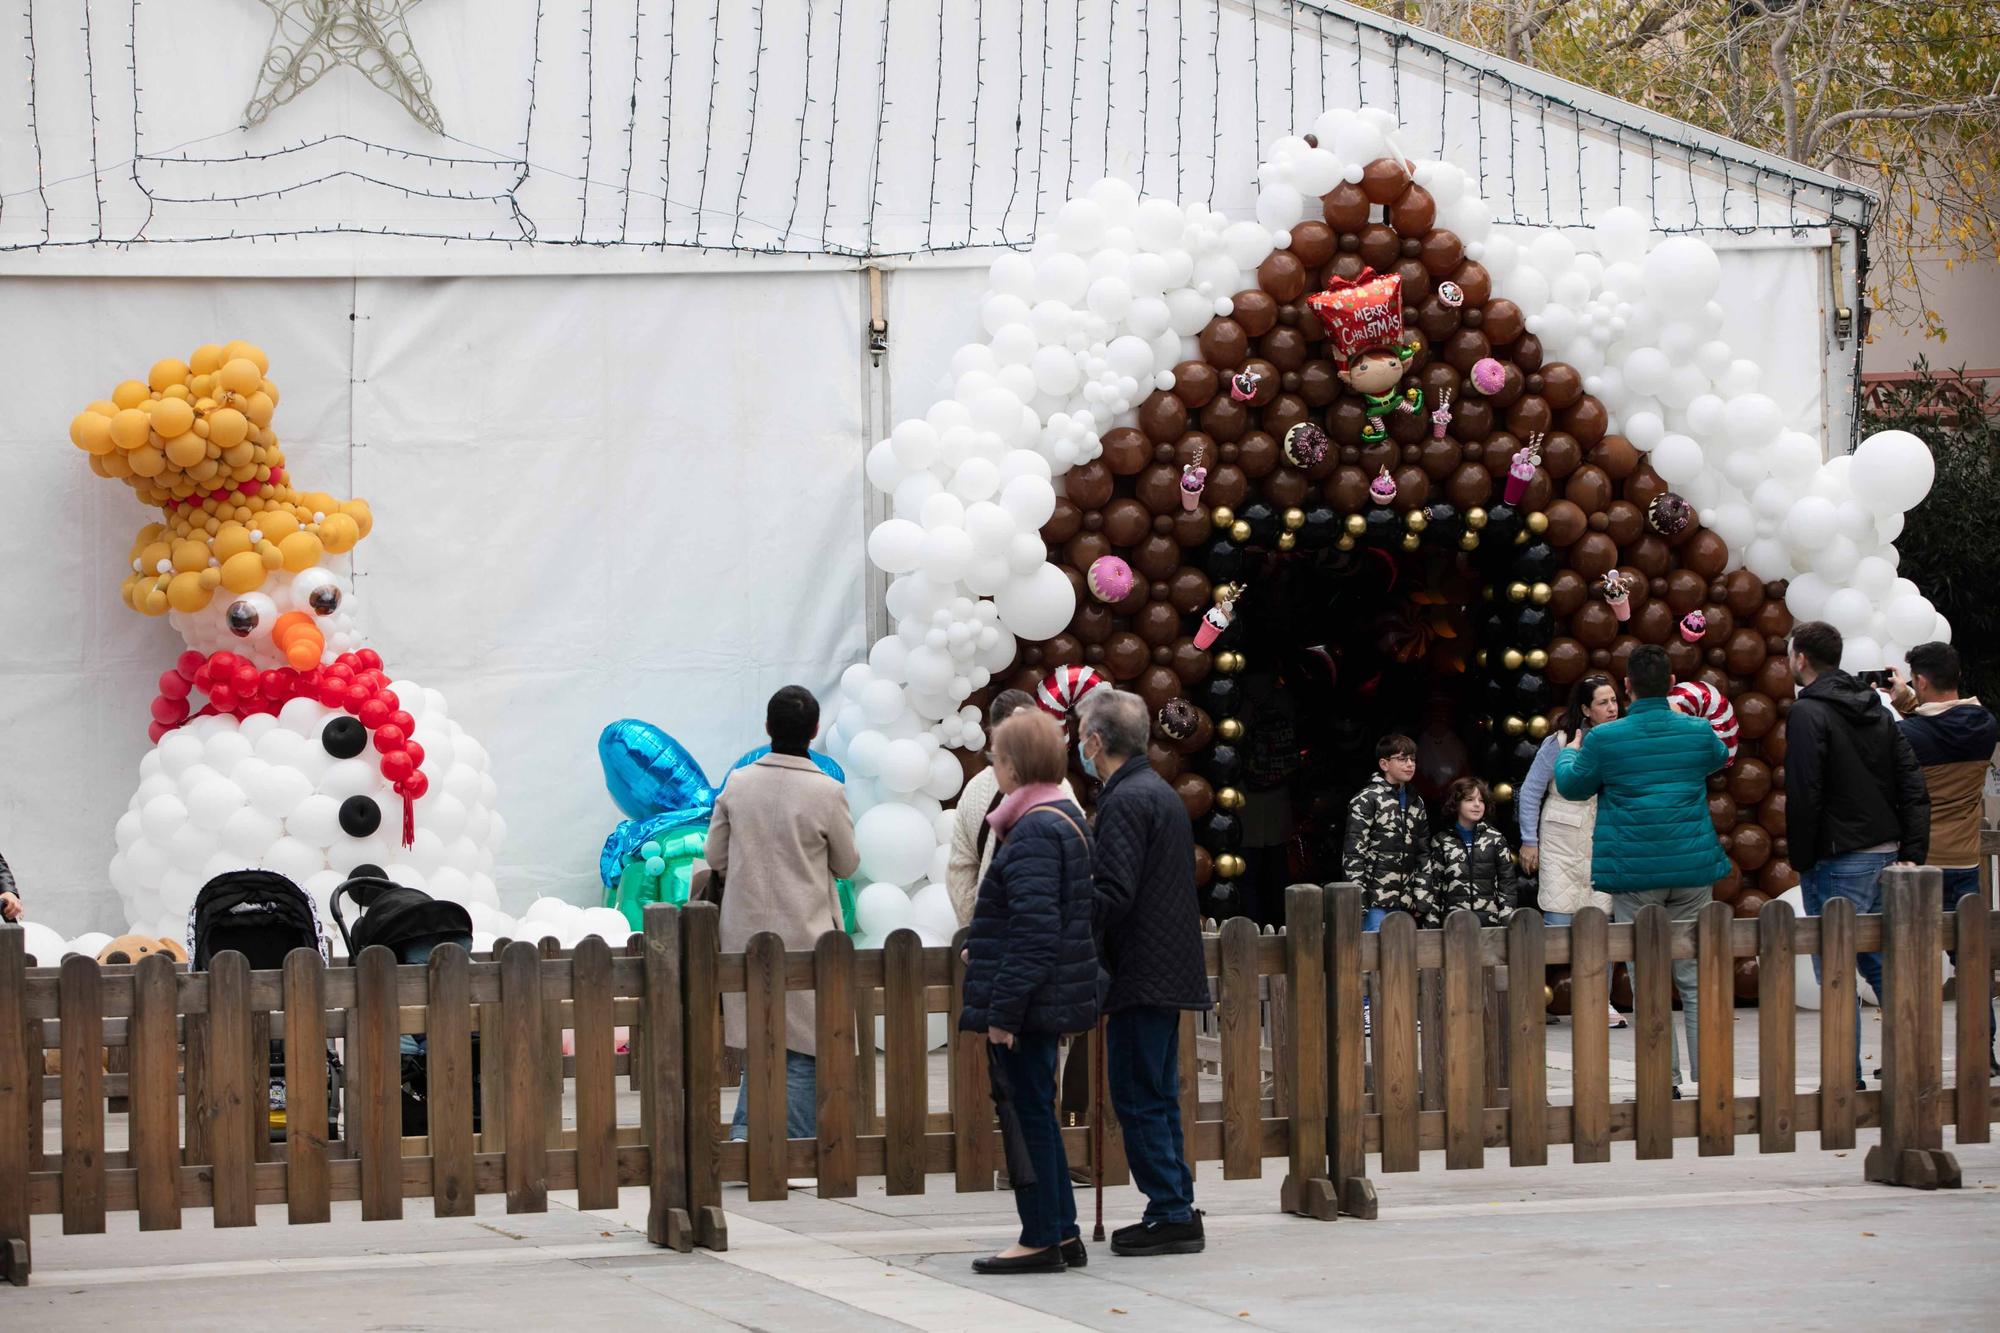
<point>641,494</point>
<point>594,498</point>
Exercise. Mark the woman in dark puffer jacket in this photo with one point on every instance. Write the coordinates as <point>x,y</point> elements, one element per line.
<point>1031,973</point>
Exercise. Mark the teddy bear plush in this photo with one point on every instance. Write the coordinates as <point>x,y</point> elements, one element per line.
<point>131,948</point>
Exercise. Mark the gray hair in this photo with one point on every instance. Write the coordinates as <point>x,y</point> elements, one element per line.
<point>1119,719</point>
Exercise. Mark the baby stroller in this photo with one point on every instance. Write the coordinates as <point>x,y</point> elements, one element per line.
<point>410,924</point>
<point>263,916</point>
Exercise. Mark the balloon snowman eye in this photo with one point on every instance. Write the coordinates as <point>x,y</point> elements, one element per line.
<point>250,612</point>
<point>316,591</point>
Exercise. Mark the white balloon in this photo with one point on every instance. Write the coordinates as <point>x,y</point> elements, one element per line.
<point>896,546</point>
<point>880,909</point>
<point>1874,576</point>
<point>1039,604</point>
<point>1644,430</point>
<point>1836,560</point>
<point>1862,652</point>
<point>1029,500</point>
<point>895,843</point>
<point>1847,610</point>
<point>1646,370</point>
<point>1811,522</point>
<point>946,553</point>
<point>905,766</point>
<point>914,443</point>
<point>1911,619</point>
<point>1677,459</point>
<point>1892,471</point>
<point>1682,273</point>
<point>882,701</point>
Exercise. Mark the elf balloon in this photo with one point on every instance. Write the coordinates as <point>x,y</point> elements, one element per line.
<point>280,741</point>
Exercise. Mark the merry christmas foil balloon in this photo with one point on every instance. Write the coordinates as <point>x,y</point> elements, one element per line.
<point>280,740</point>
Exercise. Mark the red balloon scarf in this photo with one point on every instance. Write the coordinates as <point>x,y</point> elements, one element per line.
<point>353,683</point>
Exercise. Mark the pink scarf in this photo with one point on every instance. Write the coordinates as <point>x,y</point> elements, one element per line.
<point>1021,800</point>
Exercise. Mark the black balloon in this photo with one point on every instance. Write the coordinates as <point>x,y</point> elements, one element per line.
<point>1225,696</point>
<point>359,815</point>
<point>344,737</point>
<point>1531,692</point>
<point>1534,627</point>
<point>1537,563</point>
<point>1224,832</point>
<point>1322,528</point>
<point>1225,561</point>
<point>1223,765</point>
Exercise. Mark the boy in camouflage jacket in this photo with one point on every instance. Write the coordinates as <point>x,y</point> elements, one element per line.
<point>1388,848</point>
<point>1472,862</point>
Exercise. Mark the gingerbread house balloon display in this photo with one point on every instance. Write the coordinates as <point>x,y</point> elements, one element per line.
<point>280,740</point>
<point>1441,472</point>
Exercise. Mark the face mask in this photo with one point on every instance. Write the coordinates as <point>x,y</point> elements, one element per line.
<point>1089,768</point>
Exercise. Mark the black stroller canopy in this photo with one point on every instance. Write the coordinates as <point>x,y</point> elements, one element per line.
<point>258,913</point>
<point>396,917</point>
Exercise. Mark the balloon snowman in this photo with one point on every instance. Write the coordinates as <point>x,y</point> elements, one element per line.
<point>280,742</point>
<point>1080,330</point>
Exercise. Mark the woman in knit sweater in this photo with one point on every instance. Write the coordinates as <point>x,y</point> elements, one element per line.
<point>972,840</point>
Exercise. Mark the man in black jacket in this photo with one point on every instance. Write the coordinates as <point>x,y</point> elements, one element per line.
<point>1855,801</point>
<point>1149,933</point>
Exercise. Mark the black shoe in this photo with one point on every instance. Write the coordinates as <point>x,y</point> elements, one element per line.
<point>1677,1092</point>
<point>1861,1085</point>
<point>1049,1260</point>
<point>1161,1238</point>
<point>1074,1255</point>
<point>1878,1074</point>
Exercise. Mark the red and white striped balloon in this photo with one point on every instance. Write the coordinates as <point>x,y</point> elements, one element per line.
<point>1700,699</point>
<point>1063,689</point>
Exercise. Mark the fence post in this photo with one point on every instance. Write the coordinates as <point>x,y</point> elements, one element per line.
<point>659,1060</point>
<point>701,987</point>
<point>1911,1151</point>
<point>16,1087</point>
<point>1346,1072</point>
<point>1306,1189</point>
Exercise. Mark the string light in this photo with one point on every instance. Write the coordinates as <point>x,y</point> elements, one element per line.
<point>169,179</point>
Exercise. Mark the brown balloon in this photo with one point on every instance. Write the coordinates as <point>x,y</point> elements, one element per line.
<point>1287,411</point>
<point>1567,522</point>
<point>1441,252</point>
<point>1562,385</point>
<point>1613,453</point>
<point>1195,382</point>
<point>1722,812</point>
<point>1471,418</point>
<point>1412,212</point>
<point>1477,284</point>
<point>1224,419</point>
<point>1384,179</point>
<point>1776,877</point>
<point>1527,354</point>
<point>1223,344</point>
<point>1064,523</point>
<point>1163,416</point>
<point>1501,321</point>
<point>1465,349</point>
<point>1438,458</point>
<point>1704,553</point>
<point>1756,714</point>
<point>1650,556</point>
<point>1595,625</point>
<point>1226,486</point>
<point>1158,623</point>
<point>1318,384</point>
<point>1084,548</point>
<point>1092,622</point>
<point>1471,485</point>
<point>1749,780</point>
<point>1567,592</point>
<point>1257,453</point>
<point>1380,247</point>
<point>1156,685</point>
<point>1257,310</point>
<point>1346,207</point>
<point>1685,589</point>
<point>1159,489</point>
<point>1588,489</point>
<point>1653,622</point>
<point>1644,486</point>
<point>1568,660</point>
<point>1313,243</point>
<point>1286,488</point>
<point>1062,650</point>
<point>1593,554</point>
<point>1529,416</point>
<point>1284,347</point>
<point>1126,655</point>
<point>1156,557</point>
<point>1773,620</point>
<point>1561,455</point>
<point>1088,485</point>
<point>1167,763</point>
<point>1752,847</point>
<point>1188,590</point>
<point>1282,275</point>
<point>1126,451</point>
<point>1197,797</point>
<point>1623,522</point>
<point>1745,651</point>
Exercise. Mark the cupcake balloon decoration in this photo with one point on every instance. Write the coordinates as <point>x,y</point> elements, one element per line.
<point>1450,295</point>
<point>1693,625</point>
<point>1521,473</point>
<point>1441,416</point>
<point>1617,595</point>
<point>1110,579</point>
<point>1216,619</point>
<point>1382,490</point>
<point>1669,514</point>
<point>1193,478</point>
<point>1243,385</point>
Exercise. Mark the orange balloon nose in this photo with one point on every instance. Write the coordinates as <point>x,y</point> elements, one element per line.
<point>299,639</point>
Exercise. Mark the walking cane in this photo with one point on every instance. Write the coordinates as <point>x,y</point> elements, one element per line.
<point>1097,1129</point>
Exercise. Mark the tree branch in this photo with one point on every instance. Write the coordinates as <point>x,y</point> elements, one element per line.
<point>1984,102</point>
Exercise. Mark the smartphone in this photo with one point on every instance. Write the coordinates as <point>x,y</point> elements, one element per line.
<point>1881,680</point>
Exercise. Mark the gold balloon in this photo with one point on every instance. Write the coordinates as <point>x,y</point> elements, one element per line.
<point>1229,663</point>
<point>166,374</point>
<point>1514,726</point>
<point>227,427</point>
<point>1540,594</point>
<point>1503,791</point>
<point>240,376</point>
<point>1287,540</point>
<point>92,433</point>
<point>1229,798</point>
<point>130,394</point>
<point>1229,729</point>
<point>1479,658</point>
<point>1468,541</point>
<point>1346,543</point>
<point>1222,516</point>
<point>1538,726</point>
<point>172,417</point>
<point>1538,522</point>
<point>1538,659</point>
<point>1295,519</point>
<point>1475,518</point>
<point>1411,541</point>
<point>1521,537</point>
<point>131,428</point>
<point>1239,531</point>
<point>243,571</point>
<point>1511,659</point>
<point>1416,520</point>
<point>207,359</point>
<point>185,593</point>
<point>1356,525</point>
<point>1228,865</point>
<point>1517,591</point>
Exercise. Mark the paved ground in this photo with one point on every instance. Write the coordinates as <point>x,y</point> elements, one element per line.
<point>1791,1241</point>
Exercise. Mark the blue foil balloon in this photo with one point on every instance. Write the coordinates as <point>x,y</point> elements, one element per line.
<point>822,762</point>
<point>649,772</point>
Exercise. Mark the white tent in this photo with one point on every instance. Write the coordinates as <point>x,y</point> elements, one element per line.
<point>606,354</point>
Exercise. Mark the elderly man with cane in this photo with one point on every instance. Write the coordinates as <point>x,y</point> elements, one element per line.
<point>1149,935</point>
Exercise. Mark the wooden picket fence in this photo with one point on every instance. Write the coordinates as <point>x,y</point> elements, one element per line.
<point>1456,1061</point>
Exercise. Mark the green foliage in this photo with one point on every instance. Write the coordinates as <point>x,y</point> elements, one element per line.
<point>1951,542</point>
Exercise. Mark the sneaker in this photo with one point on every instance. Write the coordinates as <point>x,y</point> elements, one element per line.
<point>1074,1254</point>
<point>1147,1238</point>
<point>1617,1020</point>
<point>1367,1020</point>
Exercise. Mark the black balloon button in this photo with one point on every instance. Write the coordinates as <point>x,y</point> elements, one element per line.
<point>344,737</point>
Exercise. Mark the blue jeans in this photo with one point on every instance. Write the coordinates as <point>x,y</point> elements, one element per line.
<point>1142,1055</point>
<point>1857,877</point>
<point>1958,883</point>
<point>1681,905</point>
<point>1047,1207</point>
<point>801,1100</point>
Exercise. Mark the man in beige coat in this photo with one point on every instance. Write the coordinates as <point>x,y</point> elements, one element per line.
<point>779,838</point>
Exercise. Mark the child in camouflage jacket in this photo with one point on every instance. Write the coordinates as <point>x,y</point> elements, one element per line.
<point>1388,847</point>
